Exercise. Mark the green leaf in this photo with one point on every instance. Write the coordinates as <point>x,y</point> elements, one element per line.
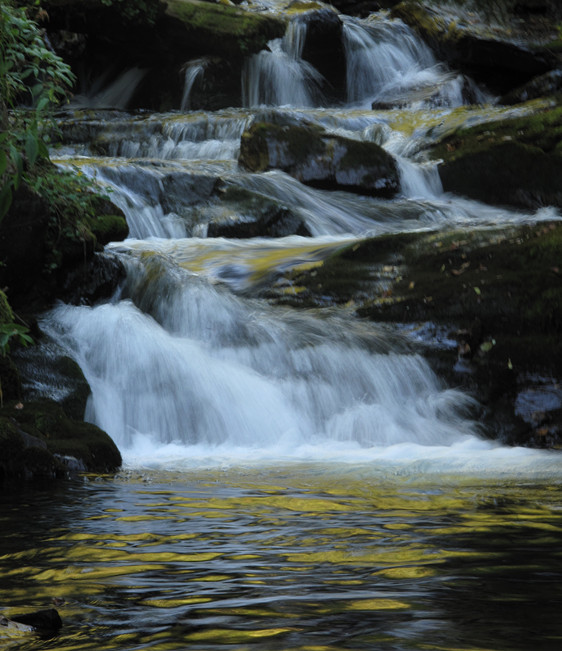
<point>31,148</point>
<point>5,200</point>
<point>3,162</point>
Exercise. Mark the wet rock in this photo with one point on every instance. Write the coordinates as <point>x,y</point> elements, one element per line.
<point>503,313</point>
<point>92,280</point>
<point>277,223</point>
<point>320,159</point>
<point>471,45</point>
<point>515,162</point>
<point>249,214</point>
<point>59,435</point>
<point>542,86</point>
<point>222,30</point>
<point>324,49</point>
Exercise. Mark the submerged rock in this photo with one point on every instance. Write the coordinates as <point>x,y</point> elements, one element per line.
<point>317,158</point>
<point>249,214</point>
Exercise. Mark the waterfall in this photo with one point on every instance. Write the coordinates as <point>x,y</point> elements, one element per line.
<point>176,360</point>
<point>387,62</point>
<point>188,355</point>
<point>279,76</point>
<point>115,94</point>
<point>193,70</point>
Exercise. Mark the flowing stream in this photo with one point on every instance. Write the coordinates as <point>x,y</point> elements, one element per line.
<point>292,479</point>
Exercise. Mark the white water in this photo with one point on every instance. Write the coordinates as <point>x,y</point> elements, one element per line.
<point>193,70</point>
<point>279,76</point>
<point>186,370</point>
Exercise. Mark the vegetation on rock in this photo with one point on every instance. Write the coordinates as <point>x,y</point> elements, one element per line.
<point>525,154</point>
<point>498,292</point>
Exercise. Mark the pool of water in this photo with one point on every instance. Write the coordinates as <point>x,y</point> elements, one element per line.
<point>300,556</point>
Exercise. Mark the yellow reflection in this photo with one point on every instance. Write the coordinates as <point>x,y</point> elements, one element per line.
<point>416,572</point>
<point>377,604</point>
<point>230,636</point>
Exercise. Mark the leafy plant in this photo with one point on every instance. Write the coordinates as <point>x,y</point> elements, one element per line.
<point>9,331</point>
<point>32,80</point>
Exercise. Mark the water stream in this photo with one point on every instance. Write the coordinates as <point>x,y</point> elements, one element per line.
<point>292,480</point>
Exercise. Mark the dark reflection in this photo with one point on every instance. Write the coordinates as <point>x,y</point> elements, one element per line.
<point>284,562</point>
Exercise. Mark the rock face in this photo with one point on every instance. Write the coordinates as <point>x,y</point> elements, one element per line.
<point>515,162</point>
<point>488,56</point>
<point>156,40</point>
<point>38,253</point>
<point>222,30</point>
<point>324,49</point>
<point>320,159</point>
<point>496,294</point>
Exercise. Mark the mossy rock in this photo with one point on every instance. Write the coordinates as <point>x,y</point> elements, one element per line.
<point>489,55</point>
<point>109,228</point>
<point>223,30</point>
<point>63,436</point>
<point>516,162</point>
<point>498,293</point>
<point>320,159</point>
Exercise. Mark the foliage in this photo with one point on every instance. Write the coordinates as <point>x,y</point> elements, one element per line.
<point>9,331</point>
<point>141,11</point>
<point>32,80</point>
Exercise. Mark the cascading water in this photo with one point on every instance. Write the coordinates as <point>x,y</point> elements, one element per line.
<point>279,76</point>
<point>182,362</point>
<point>193,70</point>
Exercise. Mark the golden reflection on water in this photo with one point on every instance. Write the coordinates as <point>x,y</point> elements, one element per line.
<point>292,558</point>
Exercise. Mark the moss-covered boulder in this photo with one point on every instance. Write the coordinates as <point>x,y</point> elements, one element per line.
<point>223,30</point>
<point>467,41</point>
<point>497,294</point>
<point>515,162</point>
<point>37,438</point>
<point>317,158</point>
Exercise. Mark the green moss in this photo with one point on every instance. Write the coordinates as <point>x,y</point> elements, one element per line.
<point>224,29</point>
<point>541,130</point>
<point>62,435</point>
<point>523,152</point>
<point>109,228</point>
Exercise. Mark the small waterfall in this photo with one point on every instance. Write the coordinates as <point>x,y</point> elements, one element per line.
<point>193,70</point>
<point>115,95</point>
<point>279,76</point>
<point>387,63</point>
<point>197,366</point>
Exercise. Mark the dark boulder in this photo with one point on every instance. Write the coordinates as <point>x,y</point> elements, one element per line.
<point>542,86</point>
<point>515,162</point>
<point>324,49</point>
<point>317,158</point>
<point>472,47</point>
